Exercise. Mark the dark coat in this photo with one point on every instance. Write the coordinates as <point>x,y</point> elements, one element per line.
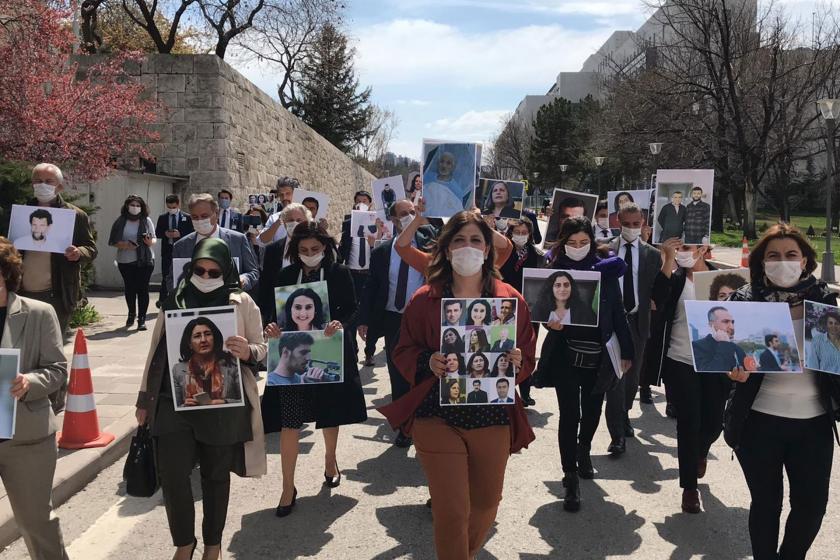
<point>271,267</point>
<point>512,274</point>
<point>672,221</point>
<point>184,227</point>
<point>768,362</point>
<point>650,263</point>
<point>477,397</point>
<point>712,355</point>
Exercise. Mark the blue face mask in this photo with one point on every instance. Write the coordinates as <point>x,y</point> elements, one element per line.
<point>224,203</point>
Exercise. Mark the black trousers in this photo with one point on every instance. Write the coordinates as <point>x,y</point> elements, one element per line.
<point>525,386</point>
<point>804,449</point>
<point>166,271</point>
<point>177,453</point>
<point>700,399</point>
<point>391,327</point>
<point>360,279</point>
<point>620,399</point>
<point>579,408</point>
<point>136,280</point>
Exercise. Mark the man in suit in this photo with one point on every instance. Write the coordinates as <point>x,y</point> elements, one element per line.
<point>452,313</point>
<point>769,358</point>
<point>504,344</point>
<point>672,218</point>
<point>477,396</point>
<point>502,389</point>
<point>390,287</point>
<point>601,227</point>
<point>643,264</point>
<point>229,218</point>
<point>355,254</point>
<point>205,220</point>
<point>171,226</point>
<point>716,351</point>
<point>698,219</point>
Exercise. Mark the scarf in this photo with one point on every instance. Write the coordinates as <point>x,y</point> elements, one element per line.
<point>521,257</point>
<point>187,296</point>
<point>204,379</point>
<point>809,288</point>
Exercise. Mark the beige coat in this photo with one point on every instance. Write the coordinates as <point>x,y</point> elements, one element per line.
<point>248,325</point>
<point>32,326</point>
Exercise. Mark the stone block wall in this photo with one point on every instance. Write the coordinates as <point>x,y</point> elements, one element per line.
<point>221,131</point>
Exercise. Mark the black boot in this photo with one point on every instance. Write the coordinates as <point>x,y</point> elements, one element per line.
<point>585,469</point>
<point>141,323</point>
<point>130,320</point>
<point>571,501</point>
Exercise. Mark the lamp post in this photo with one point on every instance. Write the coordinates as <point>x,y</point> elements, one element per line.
<point>655,150</point>
<point>563,168</point>
<point>599,161</point>
<point>537,176</point>
<point>830,109</point>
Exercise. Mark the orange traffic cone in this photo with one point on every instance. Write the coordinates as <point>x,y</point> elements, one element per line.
<point>81,423</point>
<point>745,253</point>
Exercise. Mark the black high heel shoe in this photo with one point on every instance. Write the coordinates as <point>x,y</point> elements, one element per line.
<point>333,481</point>
<point>283,511</point>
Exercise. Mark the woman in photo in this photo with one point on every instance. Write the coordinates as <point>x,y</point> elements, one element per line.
<point>453,394</point>
<point>466,486</point>
<point>502,367</point>
<point>476,341</point>
<point>454,364</point>
<point>784,422</point>
<point>619,200</point>
<point>221,439</point>
<point>415,185</point>
<point>452,342</point>
<point>724,285</point>
<point>206,368</point>
<point>574,354</point>
<point>560,302</point>
<point>825,343</point>
<point>133,234</point>
<point>499,203</point>
<point>478,366</point>
<point>330,405</point>
<point>28,460</point>
<point>479,313</point>
<point>303,311</point>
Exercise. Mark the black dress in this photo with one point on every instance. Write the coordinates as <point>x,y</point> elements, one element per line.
<point>331,404</point>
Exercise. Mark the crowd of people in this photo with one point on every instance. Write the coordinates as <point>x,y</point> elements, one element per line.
<point>392,289</point>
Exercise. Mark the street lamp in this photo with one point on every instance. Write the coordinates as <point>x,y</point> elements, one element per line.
<point>536,176</point>
<point>655,150</point>
<point>830,109</point>
<point>599,161</point>
<point>563,168</point>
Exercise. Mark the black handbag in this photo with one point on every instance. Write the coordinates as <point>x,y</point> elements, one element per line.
<point>139,472</point>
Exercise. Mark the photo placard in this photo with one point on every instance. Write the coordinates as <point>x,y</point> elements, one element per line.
<point>822,337</point>
<point>42,228</point>
<point>569,204</point>
<point>9,368</point>
<point>450,174</point>
<point>716,285</point>
<point>572,297</point>
<point>684,205</point>
<point>302,307</point>
<point>318,203</point>
<point>387,191</point>
<point>616,199</point>
<point>305,357</point>
<point>502,199</point>
<point>364,223</point>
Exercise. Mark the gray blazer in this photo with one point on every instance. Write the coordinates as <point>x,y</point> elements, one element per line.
<point>650,262</point>
<point>32,326</point>
<point>239,247</point>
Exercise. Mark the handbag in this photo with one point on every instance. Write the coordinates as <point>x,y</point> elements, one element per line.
<point>139,472</point>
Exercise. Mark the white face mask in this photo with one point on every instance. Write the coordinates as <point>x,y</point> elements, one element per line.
<point>312,260</point>
<point>44,192</point>
<point>134,210</point>
<point>290,229</point>
<point>519,240</point>
<point>686,259</point>
<point>630,234</point>
<point>577,253</point>
<point>784,274</point>
<point>467,261</point>
<point>406,220</point>
<point>173,211</point>
<point>501,224</point>
<point>203,227</point>
<point>362,206</point>
<point>207,285</point>
<point>603,223</point>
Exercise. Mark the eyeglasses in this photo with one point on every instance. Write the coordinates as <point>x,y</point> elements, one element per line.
<point>212,273</point>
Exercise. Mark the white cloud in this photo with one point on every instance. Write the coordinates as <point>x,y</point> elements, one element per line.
<point>413,102</point>
<point>472,125</point>
<point>575,7</point>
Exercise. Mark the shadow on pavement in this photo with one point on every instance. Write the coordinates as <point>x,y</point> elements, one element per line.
<point>303,533</point>
<point>411,527</point>
<point>601,529</point>
<point>386,473</point>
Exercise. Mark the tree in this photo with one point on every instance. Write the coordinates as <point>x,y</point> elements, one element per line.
<point>330,100</point>
<point>159,21</point>
<point>374,144</point>
<point>509,156</point>
<point>50,111</point>
<point>119,32</point>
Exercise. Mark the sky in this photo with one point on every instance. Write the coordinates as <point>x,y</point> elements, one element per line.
<point>452,69</point>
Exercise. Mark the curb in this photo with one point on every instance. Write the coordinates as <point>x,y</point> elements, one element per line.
<point>73,472</point>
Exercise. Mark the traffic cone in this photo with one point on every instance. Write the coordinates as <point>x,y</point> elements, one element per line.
<point>745,253</point>
<point>81,423</point>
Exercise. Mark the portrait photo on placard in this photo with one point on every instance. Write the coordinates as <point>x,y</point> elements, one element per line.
<point>9,368</point>
<point>502,199</point>
<point>569,204</point>
<point>414,186</point>
<point>617,199</point>
<point>453,313</point>
<point>387,191</point>
<point>822,337</point>
<point>572,297</point>
<point>450,173</point>
<point>300,358</point>
<point>203,372</point>
<point>41,228</point>
<point>758,336</point>
<point>317,203</point>
<point>364,223</point>
<point>302,307</point>
<point>716,285</point>
<point>181,264</point>
<point>684,205</point>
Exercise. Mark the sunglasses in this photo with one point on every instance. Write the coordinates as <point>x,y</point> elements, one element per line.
<point>212,273</point>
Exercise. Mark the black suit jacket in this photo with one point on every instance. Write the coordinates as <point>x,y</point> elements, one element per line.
<point>375,298</point>
<point>477,396</point>
<point>712,355</point>
<point>235,220</point>
<point>768,362</point>
<point>271,268</point>
<point>184,227</point>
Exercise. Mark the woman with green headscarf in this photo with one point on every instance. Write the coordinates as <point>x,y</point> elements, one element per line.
<point>221,440</point>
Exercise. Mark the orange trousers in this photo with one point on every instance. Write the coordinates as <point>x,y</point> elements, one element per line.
<point>466,472</point>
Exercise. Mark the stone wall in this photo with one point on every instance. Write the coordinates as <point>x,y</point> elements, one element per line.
<point>221,131</point>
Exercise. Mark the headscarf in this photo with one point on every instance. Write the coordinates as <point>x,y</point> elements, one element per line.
<point>187,296</point>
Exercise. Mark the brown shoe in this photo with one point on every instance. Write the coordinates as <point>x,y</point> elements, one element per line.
<point>691,501</point>
<point>701,467</point>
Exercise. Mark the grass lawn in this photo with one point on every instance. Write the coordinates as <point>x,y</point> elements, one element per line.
<point>732,238</point>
